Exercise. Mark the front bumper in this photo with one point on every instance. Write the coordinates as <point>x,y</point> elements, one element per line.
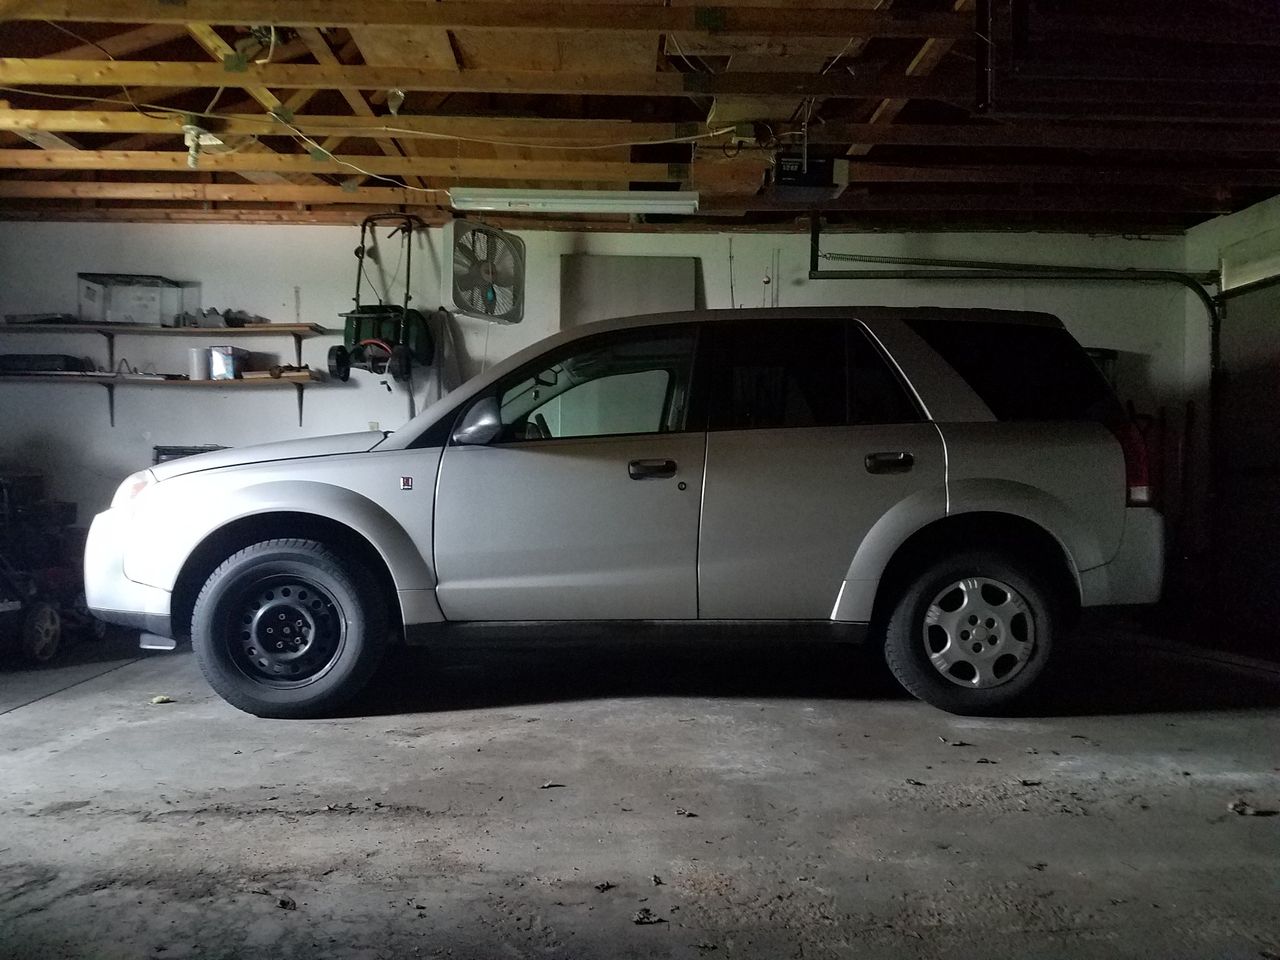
<point>110,595</point>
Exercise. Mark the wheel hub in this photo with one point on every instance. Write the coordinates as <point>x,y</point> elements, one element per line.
<point>979,632</point>
<point>289,631</point>
<point>285,631</point>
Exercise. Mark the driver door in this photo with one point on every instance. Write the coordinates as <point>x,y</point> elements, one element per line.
<point>584,505</point>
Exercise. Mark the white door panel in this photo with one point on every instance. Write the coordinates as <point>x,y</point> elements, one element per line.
<point>559,530</point>
<point>785,510</point>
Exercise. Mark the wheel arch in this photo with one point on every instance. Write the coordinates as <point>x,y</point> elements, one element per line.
<point>1021,539</point>
<point>280,524</point>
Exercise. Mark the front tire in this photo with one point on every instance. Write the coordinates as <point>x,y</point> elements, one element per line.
<point>287,629</point>
<point>973,633</point>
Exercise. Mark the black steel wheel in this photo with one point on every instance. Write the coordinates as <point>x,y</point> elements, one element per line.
<point>287,628</point>
<point>339,363</point>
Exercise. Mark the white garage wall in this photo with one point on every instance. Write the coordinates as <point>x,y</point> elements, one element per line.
<point>64,430</point>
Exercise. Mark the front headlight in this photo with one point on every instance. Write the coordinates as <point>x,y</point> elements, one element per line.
<point>133,485</point>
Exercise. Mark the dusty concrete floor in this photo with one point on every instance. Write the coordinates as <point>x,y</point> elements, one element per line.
<point>791,803</point>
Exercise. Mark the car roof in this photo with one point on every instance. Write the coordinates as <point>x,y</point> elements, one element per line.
<point>868,312</point>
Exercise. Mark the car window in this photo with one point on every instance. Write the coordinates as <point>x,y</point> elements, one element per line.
<point>633,381</point>
<point>802,373</point>
<point>1022,371</point>
<point>877,394</point>
<point>778,373</point>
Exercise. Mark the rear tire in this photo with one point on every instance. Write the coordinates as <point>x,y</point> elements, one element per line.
<point>339,363</point>
<point>288,629</point>
<point>974,633</point>
<point>41,632</point>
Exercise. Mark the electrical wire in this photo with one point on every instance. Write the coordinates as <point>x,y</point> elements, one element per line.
<point>676,43</point>
<point>128,97</point>
<point>836,59</point>
<point>271,50</point>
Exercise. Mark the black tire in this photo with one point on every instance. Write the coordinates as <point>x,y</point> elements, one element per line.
<point>328,619</point>
<point>400,363</point>
<point>339,363</point>
<point>1028,636</point>
<point>41,632</point>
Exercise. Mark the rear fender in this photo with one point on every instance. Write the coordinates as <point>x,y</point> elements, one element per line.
<point>977,495</point>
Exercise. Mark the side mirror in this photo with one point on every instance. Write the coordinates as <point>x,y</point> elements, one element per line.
<point>481,423</point>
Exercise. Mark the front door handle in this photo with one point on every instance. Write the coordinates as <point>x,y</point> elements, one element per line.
<point>897,461</point>
<point>651,469</point>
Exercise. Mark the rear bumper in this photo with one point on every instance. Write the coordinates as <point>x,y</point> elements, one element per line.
<point>110,595</point>
<point>1135,574</point>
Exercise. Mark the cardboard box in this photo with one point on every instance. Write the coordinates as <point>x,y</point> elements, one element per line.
<point>134,298</point>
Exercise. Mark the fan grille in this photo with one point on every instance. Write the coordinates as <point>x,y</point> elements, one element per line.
<point>488,273</point>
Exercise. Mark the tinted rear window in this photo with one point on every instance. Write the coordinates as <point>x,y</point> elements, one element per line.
<point>1022,372</point>
<point>801,373</point>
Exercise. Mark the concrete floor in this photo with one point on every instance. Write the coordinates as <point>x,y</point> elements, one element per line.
<point>791,802</point>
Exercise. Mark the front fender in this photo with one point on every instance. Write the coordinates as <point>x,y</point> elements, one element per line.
<point>176,516</point>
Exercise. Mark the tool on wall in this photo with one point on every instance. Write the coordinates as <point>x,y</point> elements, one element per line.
<point>382,337</point>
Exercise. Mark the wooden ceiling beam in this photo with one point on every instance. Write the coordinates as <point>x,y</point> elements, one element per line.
<point>927,58</point>
<point>1056,136</point>
<point>217,193</point>
<point>559,17</point>
<point>122,44</point>
<point>511,169</point>
<point>1175,26</point>
<point>961,203</point>
<point>523,130</point>
<point>324,54</point>
<point>142,73</point>
<point>733,204</point>
<point>710,172</point>
<point>224,53</point>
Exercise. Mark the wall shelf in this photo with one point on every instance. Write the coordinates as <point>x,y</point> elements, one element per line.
<point>299,381</point>
<point>298,331</point>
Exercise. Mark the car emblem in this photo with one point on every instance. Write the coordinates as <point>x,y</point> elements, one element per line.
<point>406,483</point>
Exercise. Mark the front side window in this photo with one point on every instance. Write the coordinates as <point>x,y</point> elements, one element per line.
<point>633,381</point>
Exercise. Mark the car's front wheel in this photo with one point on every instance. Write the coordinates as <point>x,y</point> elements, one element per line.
<point>288,629</point>
<point>973,633</point>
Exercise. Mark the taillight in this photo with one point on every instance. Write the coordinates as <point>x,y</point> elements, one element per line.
<point>1137,475</point>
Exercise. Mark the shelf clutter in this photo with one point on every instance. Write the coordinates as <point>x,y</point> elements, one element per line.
<point>295,376</point>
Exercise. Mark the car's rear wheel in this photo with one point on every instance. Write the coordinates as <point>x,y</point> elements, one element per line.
<point>973,633</point>
<point>41,632</point>
<point>288,629</point>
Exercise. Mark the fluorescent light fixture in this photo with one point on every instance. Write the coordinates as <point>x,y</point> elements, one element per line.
<point>573,201</point>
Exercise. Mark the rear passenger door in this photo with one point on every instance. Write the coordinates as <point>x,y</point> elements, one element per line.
<point>812,439</point>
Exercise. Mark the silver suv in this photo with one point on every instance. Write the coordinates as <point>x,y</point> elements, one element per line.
<point>957,484</point>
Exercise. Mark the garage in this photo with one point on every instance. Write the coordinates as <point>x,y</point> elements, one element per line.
<point>639,479</point>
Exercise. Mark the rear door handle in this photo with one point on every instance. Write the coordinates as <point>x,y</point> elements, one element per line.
<point>651,469</point>
<point>898,461</point>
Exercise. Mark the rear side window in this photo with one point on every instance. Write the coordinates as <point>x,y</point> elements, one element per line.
<point>800,373</point>
<point>1021,371</point>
